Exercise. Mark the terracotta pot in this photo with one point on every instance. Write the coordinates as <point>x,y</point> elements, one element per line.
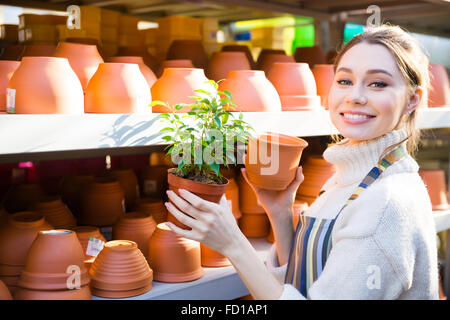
<point>84,293</point>
<point>140,51</point>
<point>38,50</point>
<point>241,48</point>
<point>330,56</point>
<point>4,292</point>
<point>254,225</point>
<point>189,49</point>
<point>248,202</point>
<point>55,212</point>
<point>251,91</point>
<point>232,195</point>
<point>208,192</point>
<point>120,271</point>
<point>13,52</point>
<point>211,258</point>
<point>269,59</point>
<point>7,68</point>
<point>153,207</point>
<point>11,282</point>
<point>160,159</point>
<point>135,226</point>
<point>129,183</point>
<point>84,233</point>
<point>323,75</point>
<point>153,181</point>
<point>176,85</point>
<point>176,63</point>
<point>148,74</point>
<point>436,186</point>
<point>173,258</point>
<point>83,58</point>
<point>57,91</point>
<point>264,52</point>
<point>300,103</point>
<point>102,203</point>
<point>222,62</point>
<point>21,196</point>
<point>284,153</point>
<point>70,190</point>
<point>439,94</point>
<point>311,55</point>
<point>117,88</point>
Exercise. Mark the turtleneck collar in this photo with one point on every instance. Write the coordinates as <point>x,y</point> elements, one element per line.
<point>353,162</point>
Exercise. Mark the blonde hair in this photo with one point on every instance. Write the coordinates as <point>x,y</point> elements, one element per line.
<point>413,65</point>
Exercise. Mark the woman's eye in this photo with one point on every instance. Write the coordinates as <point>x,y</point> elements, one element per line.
<point>379,84</point>
<point>344,82</point>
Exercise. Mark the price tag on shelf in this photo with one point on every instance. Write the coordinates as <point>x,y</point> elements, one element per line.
<point>94,247</point>
<point>10,100</point>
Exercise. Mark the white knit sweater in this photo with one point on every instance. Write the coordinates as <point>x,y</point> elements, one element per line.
<point>384,242</point>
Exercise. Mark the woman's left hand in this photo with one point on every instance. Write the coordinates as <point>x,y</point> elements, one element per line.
<point>212,224</point>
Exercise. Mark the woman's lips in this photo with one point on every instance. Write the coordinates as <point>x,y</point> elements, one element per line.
<point>356,118</point>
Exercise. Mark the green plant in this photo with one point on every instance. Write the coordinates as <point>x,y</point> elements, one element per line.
<point>206,136</point>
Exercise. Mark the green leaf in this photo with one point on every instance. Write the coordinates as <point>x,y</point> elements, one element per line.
<point>179,106</point>
<point>167,129</point>
<point>167,138</point>
<point>215,167</point>
<point>157,103</point>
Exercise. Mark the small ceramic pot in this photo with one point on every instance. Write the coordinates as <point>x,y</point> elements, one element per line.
<point>22,196</point>
<point>189,49</point>
<point>173,258</point>
<point>268,60</point>
<point>222,62</point>
<point>323,75</point>
<point>153,181</point>
<point>241,48</point>
<point>153,207</point>
<point>263,52</point>
<point>70,190</point>
<point>211,258</point>
<point>55,212</point>
<point>248,201</point>
<point>254,225</point>
<point>311,55</point>
<point>38,50</point>
<point>7,68</point>
<point>176,63</point>
<point>129,182</point>
<point>4,292</point>
<point>84,233</point>
<point>436,186</point>
<point>282,151</point>
<point>140,51</point>
<point>148,74</point>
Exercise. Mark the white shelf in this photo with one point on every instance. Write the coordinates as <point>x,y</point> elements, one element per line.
<point>41,137</point>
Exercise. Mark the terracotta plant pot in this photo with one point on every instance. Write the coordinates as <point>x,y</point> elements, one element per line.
<point>254,225</point>
<point>13,52</point>
<point>57,91</point>
<point>84,233</point>
<point>189,49</point>
<point>55,212</point>
<point>38,50</point>
<point>176,63</point>
<point>21,196</point>
<point>102,203</point>
<point>70,190</point>
<point>263,52</point>
<point>241,48</point>
<point>248,202</point>
<point>4,292</point>
<point>269,59</point>
<point>120,271</point>
<point>118,88</point>
<point>148,74</point>
<point>208,192</point>
<point>211,258</point>
<point>251,91</point>
<point>439,94</point>
<point>129,183</point>
<point>153,207</point>
<point>323,75</point>
<point>140,51</point>
<point>7,68</point>
<point>135,226</point>
<point>84,293</point>
<point>311,55</point>
<point>176,85</point>
<point>173,258</point>
<point>153,181</point>
<point>83,58</point>
<point>436,186</point>
<point>282,151</point>
<point>222,62</point>
<point>232,195</point>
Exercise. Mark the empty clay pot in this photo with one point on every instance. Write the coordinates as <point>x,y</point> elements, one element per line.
<point>4,292</point>
<point>439,94</point>
<point>323,75</point>
<point>269,59</point>
<point>57,91</point>
<point>311,55</point>
<point>222,62</point>
<point>282,151</point>
<point>84,233</point>
<point>436,186</point>
<point>176,63</point>
<point>153,181</point>
<point>7,68</point>
<point>118,88</point>
<point>173,258</point>
<point>254,225</point>
<point>70,190</point>
<point>83,58</point>
<point>102,203</point>
<point>148,74</point>
<point>120,270</point>
<point>153,207</point>
<point>129,183</point>
<point>248,201</point>
<point>21,196</point>
<point>55,212</point>
<point>241,48</point>
<point>189,49</point>
<point>263,52</point>
<point>135,226</point>
<point>176,85</point>
<point>38,50</point>
<point>140,51</point>
<point>211,258</point>
<point>251,91</point>
<point>232,195</point>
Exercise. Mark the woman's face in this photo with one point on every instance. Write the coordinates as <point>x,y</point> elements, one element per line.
<point>368,94</point>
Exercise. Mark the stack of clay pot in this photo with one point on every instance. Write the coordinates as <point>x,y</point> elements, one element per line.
<point>148,74</point>
<point>55,212</point>
<point>251,91</point>
<point>129,183</point>
<point>439,94</point>
<point>323,75</point>
<point>120,271</point>
<point>298,207</point>
<point>38,50</point>
<point>174,258</point>
<point>436,186</point>
<point>222,62</point>
<point>176,85</point>
<point>7,68</point>
<point>153,207</point>
<point>296,86</point>
<point>316,171</point>
<point>22,196</point>
<point>189,49</point>
<point>102,203</point>
<point>135,226</point>
<point>241,48</point>
<point>16,238</point>
<point>175,63</point>
<point>84,234</point>
<point>153,181</point>
<point>54,269</point>
<point>311,55</point>
<point>71,187</point>
<point>267,60</point>
<point>4,292</point>
<point>118,88</point>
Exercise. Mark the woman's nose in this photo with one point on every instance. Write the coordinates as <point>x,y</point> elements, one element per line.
<point>356,95</point>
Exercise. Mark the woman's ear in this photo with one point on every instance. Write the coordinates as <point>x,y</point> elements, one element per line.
<point>414,100</point>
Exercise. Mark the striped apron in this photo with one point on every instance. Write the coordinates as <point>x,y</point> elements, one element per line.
<point>312,241</point>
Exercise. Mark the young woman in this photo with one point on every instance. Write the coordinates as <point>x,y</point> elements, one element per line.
<point>370,234</point>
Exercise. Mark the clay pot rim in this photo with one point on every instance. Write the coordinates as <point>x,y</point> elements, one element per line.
<point>120,294</point>
<point>230,53</point>
<point>246,72</point>
<point>9,61</point>
<point>44,59</point>
<point>82,229</point>
<point>287,64</point>
<point>115,245</point>
<point>170,176</point>
<point>296,142</point>
<point>76,44</point>
<point>38,219</point>
<point>139,58</point>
